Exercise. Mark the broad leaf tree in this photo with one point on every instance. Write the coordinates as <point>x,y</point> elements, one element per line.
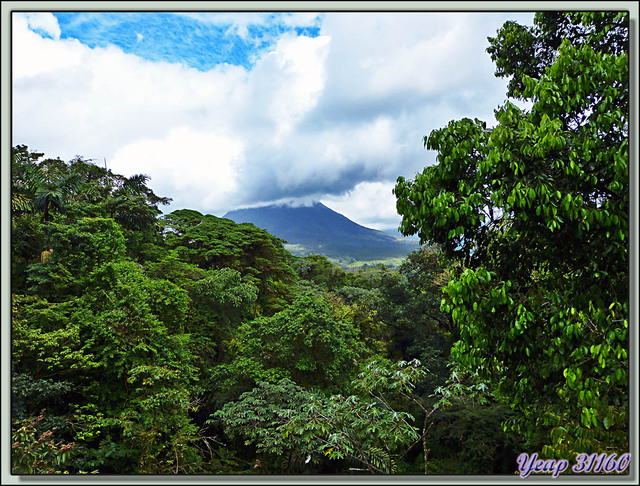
<point>304,342</point>
<point>536,209</point>
<point>366,428</point>
<point>215,243</point>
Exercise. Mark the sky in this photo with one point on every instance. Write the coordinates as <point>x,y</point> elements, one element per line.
<point>225,110</point>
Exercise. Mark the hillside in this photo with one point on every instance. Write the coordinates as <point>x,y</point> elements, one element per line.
<point>319,230</point>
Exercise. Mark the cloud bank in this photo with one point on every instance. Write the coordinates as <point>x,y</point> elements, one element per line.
<point>234,110</point>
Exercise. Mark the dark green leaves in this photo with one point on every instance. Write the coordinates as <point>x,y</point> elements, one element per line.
<point>537,209</point>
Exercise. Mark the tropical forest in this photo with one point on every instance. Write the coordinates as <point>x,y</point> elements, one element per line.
<point>181,343</point>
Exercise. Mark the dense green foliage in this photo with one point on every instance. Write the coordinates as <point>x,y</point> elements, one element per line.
<point>185,343</point>
<point>536,209</point>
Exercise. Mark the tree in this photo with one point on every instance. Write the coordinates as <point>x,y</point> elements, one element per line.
<point>520,51</point>
<point>76,250</point>
<point>319,270</point>
<point>25,176</point>
<point>285,419</point>
<point>52,195</point>
<point>37,456</point>
<point>303,342</point>
<point>221,301</point>
<point>136,401</point>
<point>536,208</point>
<point>210,242</point>
<point>81,189</point>
<point>100,344</point>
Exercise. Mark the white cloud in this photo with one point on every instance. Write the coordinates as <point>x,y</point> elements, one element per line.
<point>371,204</point>
<point>33,54</point>
<point>211,161</point>
<point>287,81</point>
<point>324,118</point>
<point>45,22</point>
<point>70,99</point>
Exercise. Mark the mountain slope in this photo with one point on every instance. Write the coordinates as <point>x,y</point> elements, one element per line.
<point>317,229</point>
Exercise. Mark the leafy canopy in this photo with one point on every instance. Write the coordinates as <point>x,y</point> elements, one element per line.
<point>537,210</point>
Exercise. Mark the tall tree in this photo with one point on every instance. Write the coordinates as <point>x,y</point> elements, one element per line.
<point>215,243</point>
<point>537,210</point>
<point>44,186</point>
<point>304,342</point>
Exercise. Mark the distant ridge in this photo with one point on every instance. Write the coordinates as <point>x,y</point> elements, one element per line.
<point>319,230</point>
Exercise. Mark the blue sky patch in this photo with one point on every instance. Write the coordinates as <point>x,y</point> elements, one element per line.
<point>176,38</point>
<point>42,32</point>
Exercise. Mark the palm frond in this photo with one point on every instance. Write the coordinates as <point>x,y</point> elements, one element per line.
<point>21,202</point>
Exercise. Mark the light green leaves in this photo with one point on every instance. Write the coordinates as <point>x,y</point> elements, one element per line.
<point>283,417</point>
